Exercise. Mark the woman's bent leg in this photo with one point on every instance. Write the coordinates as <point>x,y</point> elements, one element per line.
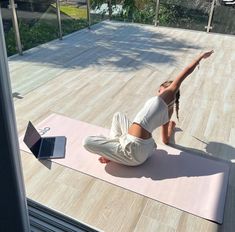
<point>120,125</point>
<point>109,148</point>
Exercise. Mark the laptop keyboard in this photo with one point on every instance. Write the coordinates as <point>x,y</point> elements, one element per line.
<point>47,147</point>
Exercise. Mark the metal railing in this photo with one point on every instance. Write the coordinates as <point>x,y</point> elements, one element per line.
<point>109,12</point>
<point>13,7</point>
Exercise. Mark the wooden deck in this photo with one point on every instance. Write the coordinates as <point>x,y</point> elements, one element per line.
<point>90,75</point>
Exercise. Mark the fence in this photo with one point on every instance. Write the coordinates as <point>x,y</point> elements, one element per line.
<point>44,20</point>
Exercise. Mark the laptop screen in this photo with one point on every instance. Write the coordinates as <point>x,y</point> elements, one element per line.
<point>32,139</point>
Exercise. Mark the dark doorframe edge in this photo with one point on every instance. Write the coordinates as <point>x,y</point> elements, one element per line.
<point>13,205</point>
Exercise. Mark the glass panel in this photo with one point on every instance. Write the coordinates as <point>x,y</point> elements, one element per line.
<point>118,12</point>
<point>36,21</point>
<point>184,14</point>
<point>174,13</point>
<point>138,11</point>
<point>73,15</point>
<point>99,10</point>
<point>145,11</point>
<point>8,29</point>
<point>224,17</point>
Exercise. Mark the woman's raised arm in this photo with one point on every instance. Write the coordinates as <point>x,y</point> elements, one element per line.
<point>189,69</point>
<point>169,94</point>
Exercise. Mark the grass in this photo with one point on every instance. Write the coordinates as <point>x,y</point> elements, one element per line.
<point>73,12</point>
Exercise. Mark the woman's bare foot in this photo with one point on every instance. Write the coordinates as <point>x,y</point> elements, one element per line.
<point>103,160</point>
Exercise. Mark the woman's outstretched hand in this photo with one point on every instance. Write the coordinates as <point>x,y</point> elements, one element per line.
<point>207,54</point>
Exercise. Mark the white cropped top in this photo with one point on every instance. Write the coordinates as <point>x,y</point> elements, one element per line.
<point>153,114</point>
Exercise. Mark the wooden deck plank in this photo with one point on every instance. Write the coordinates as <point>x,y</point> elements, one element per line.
<point>116,67</point>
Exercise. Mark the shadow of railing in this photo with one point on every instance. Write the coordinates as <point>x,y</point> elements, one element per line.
<point>122,46</point>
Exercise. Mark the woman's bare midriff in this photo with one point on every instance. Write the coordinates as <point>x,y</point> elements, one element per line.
<point>139,132</point>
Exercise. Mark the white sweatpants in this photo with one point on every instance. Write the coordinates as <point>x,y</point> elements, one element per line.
<point>121,147</point>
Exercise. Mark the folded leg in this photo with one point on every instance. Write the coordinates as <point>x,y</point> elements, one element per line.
<point>111,149</point>
<point>120,125</point>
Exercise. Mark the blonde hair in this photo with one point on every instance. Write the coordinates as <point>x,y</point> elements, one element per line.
<point>167,84</point>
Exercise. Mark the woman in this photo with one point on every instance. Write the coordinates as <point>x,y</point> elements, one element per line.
<point>132,143</point>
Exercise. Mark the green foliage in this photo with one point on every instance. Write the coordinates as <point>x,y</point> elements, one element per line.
<point>40,32</point>
<point>181,16</point>
<point>97,3</point>
<point>171,13</point>
<point>37,34</point>
<point>71,25</point>
<point>130,9</point>
<point>10,42</point>
<point>167,15</point>
<point>145,15</point>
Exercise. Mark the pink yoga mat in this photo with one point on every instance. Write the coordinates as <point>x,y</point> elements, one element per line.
<point>186,181</point>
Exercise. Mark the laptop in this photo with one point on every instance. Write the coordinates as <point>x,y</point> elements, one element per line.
<point>44,147</point>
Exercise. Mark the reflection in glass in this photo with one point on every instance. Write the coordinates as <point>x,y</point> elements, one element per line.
<point>184,14</point>
<point>99,10</point>
<point>38,22</point>
<point>8,28</point>
<point>73,15</point>
<point>224,17</point>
